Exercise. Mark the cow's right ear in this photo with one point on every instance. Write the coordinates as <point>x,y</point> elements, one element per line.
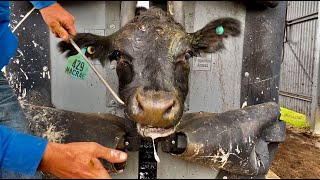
<point>209,39</point>
<point>97,46</point>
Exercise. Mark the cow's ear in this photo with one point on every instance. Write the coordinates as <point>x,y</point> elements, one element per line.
<point>98,47</point>
<point>209,39</point>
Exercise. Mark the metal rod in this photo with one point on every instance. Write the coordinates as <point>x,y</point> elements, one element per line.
<point>295,96</point>
<point>78,49</point>
<point>24,18</point>
<point>96,71</point>
<point>178,12</point>
<point>14,29</point>
<point>128,9</point>
<point>315,108</point>
<point>300,63</point>
<point>303,19</point>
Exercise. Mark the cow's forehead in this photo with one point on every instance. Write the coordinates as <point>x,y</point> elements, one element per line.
<point>141,36</point>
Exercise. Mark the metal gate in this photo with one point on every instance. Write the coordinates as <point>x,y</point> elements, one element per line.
<point>296,78</point>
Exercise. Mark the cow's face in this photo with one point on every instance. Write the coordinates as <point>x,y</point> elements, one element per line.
<point>153,53</point>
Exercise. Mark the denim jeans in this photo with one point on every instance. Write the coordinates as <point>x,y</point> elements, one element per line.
<point>12,116</point>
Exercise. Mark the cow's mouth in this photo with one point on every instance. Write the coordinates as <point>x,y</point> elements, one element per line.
<point>154,132</point>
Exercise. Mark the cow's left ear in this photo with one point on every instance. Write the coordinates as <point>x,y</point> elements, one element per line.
<point>97,47</point>
<point>209,38</point>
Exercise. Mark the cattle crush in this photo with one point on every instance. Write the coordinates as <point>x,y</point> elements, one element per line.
<point>226,120</point>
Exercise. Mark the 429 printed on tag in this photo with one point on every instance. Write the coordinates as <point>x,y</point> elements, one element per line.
<point>76,66</point>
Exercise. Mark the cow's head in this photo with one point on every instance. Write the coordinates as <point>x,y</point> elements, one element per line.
<point>153,53</point>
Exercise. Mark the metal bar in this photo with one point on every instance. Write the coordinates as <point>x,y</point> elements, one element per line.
<point>315,109</point>
<point>127,13</point>
<point>147,163</point>
<point>270,4</point>
<point>178,12</point>
<point>303,19</point>
<point>24,18</point>
<point>300,64</point>
<point>15,28</point>
<point>295,96</point>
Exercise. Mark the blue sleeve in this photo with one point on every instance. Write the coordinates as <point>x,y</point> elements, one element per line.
<point>20,152</point>
<point>42,4</point>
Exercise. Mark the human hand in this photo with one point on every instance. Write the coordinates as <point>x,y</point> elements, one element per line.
<point>60,21</point>
<point>79,160</point>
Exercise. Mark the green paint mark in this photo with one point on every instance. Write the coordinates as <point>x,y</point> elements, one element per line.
<point>77,67</point>
<point>219,30</point>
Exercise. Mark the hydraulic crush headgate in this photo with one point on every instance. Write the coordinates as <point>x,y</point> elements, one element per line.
<point>233,78</point>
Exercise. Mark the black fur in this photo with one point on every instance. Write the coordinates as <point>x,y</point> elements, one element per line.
<point>100,43</point>
<point>152,51</point>
<point>201,39</point>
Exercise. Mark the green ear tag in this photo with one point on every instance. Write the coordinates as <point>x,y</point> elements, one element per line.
<point>76,66</point>
<point>219,30</point>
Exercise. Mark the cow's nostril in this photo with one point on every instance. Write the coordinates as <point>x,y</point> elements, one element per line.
<point>167,115</point>
<point>154,108</point>
<point>140,101</point>
<point>139,106</point>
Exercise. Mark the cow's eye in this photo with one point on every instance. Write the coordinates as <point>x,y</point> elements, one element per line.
<point>91,50</point>
<point>116,55</point>
<point>188,55</point>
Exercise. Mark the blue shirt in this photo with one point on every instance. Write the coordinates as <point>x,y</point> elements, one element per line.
<point>8,41</point>
<point>18,152</point>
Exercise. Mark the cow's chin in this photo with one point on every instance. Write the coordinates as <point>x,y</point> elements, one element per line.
<point>154,132</point>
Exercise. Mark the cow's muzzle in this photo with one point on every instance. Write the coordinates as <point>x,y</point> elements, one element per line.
<point>155,108</point>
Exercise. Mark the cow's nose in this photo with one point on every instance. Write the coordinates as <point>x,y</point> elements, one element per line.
<point>155,108</point>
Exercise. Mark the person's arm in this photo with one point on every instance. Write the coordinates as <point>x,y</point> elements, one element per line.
<point>26,154</point>
<point>60,21</point>
<point>20,152</point>
<point>42,4</point>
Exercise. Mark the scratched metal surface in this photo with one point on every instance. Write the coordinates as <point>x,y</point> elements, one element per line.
<point>297,67</point>
<point>262,54</point>
<point>90,95</point>
<point>215,83</point>
<point>217,87</point>
<point>29,70</point>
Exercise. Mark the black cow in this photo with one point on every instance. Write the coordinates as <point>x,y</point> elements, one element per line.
<point>153,53</point>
